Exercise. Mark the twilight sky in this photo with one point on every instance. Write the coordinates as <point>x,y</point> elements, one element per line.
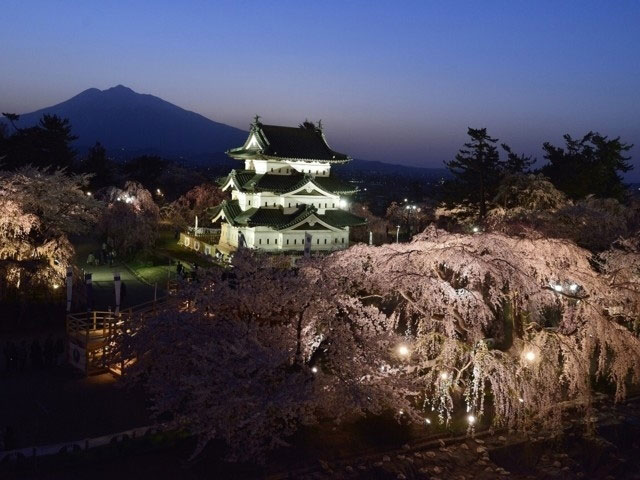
<point>395,81</point>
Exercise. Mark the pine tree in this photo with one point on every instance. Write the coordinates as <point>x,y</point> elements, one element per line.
<point>477,170</point>
<point>589,166</point>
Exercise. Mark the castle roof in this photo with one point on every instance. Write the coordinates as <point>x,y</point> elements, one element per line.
<point>292,143</point>
<point>276,218</point>
<point>250,181</point>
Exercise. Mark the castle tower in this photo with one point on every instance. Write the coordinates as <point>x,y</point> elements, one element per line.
<point>284,192</point>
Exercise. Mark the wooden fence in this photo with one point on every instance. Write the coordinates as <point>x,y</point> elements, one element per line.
<point>92,335</point>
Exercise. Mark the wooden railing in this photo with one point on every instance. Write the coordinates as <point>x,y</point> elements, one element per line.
<point>93,334</point>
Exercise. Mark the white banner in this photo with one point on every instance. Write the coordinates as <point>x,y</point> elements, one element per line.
<point>69,286</point>
<point>77,356</point>
<point>307,244</point>
<point>117,283</point>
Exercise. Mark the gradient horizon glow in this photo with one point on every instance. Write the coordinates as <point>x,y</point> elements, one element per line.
<point>398,82</point>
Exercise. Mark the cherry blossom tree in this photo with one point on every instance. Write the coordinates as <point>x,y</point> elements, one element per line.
<point>516,318</point>
<point>440,328</point>
<point>196,201</point>
<point>130,219</point>
<point>378,227</point>
<point>39,210</point>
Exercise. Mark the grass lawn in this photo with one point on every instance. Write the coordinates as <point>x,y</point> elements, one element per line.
<point>168,246</point>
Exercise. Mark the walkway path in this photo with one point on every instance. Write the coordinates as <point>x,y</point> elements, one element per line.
<point>102,278</point>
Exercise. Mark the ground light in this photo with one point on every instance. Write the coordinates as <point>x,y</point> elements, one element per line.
<point>471,419</point>
<point>403,350</point>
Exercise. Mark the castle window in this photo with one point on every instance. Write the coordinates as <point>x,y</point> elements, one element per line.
<point>265,204</point>
<point>342,240</point>
<point>336,241</point>
<point>333,205</point>
<point>260,241</point>
<point>325,205</point>
<point>249,202</point>
<point>318,242</point>
<point>274,204</point>
<point>267,241</point>
<point>276,241</point>
<point>295,241</point>
<point>325,241</point>
<point>289,204</point>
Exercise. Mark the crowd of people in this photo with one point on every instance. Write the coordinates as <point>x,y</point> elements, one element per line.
<point>20,356</point>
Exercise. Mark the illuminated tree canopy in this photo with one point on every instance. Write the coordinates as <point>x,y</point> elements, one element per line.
<point>434,329</point>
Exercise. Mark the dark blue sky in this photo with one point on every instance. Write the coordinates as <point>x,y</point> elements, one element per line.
<point>392,81</point>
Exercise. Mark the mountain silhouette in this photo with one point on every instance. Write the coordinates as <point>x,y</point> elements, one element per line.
<point>129,123</point>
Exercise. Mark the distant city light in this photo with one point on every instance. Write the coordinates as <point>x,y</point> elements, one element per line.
<point>56,286</point>
<point>530,356</point>
<point>444,375</point>
<point>406,199</point>
<point>573,287</point>
<point>471,419</point>
<point>476,229</point>
<point>427,421</point>
<point>88,194</point>
<point>521,400</point>
<point>343,203</point>
<point>557,287</point>
<point>314,369</point>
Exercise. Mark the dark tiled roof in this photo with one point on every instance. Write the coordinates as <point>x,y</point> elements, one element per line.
<point>291,142</point>
<point>250,181</point>
<point>341,218</point>
<point>277,219</point>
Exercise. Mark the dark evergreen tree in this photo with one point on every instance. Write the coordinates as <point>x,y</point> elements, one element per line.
<point>477,171</point>
<point>145,169</point>
<point>589,166</point>
<point>102,168</point>
<point>47,144</point>
<point>516,164</point>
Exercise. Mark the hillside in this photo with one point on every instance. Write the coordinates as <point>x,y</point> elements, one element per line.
<point>128,123</point>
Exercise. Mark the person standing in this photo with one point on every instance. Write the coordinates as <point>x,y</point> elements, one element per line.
<point>21,355</point>
<point>36,354</point>
<point>58,351</point>
<point>48,351</point>
<point>123,292</point>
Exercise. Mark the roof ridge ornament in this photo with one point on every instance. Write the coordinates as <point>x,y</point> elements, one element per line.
<point>256,121</point>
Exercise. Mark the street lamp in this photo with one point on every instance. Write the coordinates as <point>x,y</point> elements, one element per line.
<point>398,234</point>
